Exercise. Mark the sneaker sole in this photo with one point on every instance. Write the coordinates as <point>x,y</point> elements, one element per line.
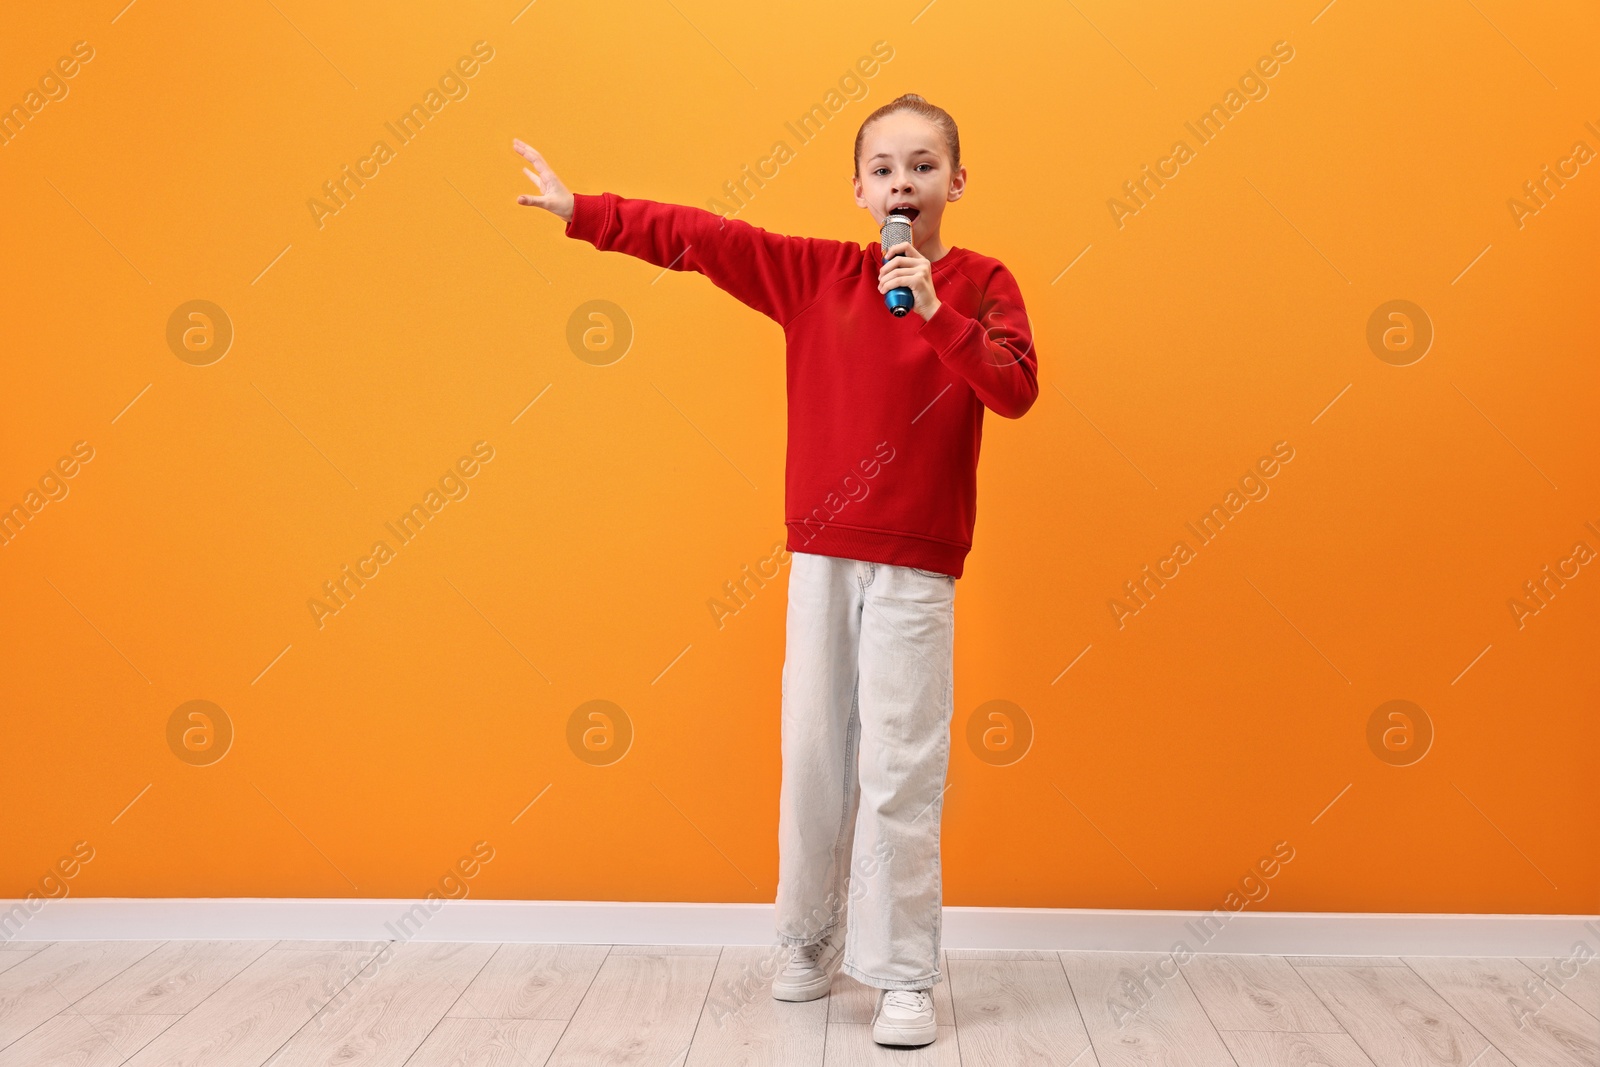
<point>814,989</point>
<point>885,1034</point>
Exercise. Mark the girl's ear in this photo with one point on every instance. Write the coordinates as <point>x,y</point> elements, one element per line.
<point>958,185</point>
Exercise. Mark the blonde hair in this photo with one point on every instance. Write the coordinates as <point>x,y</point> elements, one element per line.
<point>917,106</point>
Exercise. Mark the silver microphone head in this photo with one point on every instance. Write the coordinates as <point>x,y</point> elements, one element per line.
<point>896,230</point>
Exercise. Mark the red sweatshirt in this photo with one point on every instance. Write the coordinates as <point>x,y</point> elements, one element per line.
<point>885,413</point>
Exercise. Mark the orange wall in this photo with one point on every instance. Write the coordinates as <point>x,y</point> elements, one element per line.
<point>376,749</point>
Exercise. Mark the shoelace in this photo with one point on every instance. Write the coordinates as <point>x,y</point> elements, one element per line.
<point>805,955</point>
<point>910,999</point>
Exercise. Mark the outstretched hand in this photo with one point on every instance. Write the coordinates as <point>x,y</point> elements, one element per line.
<point>553,195</point>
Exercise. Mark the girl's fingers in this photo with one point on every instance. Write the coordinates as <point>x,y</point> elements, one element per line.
<point>548,183</point>
<point>551,191</point>
<point>532,156</point>
<point>550,187</point>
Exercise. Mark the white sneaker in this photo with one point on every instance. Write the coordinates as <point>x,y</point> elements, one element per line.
<point>809,973</point>
<point>904,1017</point>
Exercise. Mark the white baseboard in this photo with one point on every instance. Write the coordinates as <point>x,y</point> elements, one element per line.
<point>667,923</point>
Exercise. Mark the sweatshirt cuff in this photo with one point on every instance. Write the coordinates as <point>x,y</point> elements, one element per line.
<point>590,214</point>
<point>945,329</point>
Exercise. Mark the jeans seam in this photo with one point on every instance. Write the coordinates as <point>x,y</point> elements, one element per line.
<point>938,878</point>
<point>938,826</point>
<point>839,843</point>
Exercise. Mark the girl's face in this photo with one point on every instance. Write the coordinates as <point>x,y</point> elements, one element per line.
<point>905,164</point>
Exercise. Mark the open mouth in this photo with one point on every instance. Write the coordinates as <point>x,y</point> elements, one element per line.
<point>910,213</point>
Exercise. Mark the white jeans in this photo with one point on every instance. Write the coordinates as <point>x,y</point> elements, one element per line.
<point>868,693</point>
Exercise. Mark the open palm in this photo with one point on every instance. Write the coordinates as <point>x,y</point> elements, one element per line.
<point>553,196</point>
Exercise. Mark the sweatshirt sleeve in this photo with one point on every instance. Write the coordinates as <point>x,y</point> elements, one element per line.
<point>993,352</point>
<point>777,275</point>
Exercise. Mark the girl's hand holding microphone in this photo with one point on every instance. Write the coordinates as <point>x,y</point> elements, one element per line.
<point>553,196</point>
<point>906,267</point>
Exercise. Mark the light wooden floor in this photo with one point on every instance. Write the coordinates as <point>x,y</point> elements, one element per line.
<point>290,1003</point>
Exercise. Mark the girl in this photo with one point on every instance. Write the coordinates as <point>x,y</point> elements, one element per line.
<point>880,495</point>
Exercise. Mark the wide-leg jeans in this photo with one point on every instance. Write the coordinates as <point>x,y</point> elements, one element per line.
<point>868,694</point>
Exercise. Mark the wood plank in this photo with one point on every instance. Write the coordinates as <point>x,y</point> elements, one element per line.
<point>851,1045</point>
<point>9,960</point>
<point>1137,1016</point>
<point>666,950</point>
<point>1015,1012</point>
<point>531,982</point>
<point>658,1000</point>
<point>850,1001</point>
<point>249,1018</point>
<point>1532,1023</point>
<point>387,1010</point>
<point>1294,1050</point>
<point>1344,961</point>
<point>85,1040</point>
<point>488,1043</point>
<point>369,947</point>
<point>48,981</point>
<point>173,978</point>
<point>1398,1019</point>
<point>742,1026</point>
<point>18,945</point>
<point>1256,993</point>
<point>1582,988</point>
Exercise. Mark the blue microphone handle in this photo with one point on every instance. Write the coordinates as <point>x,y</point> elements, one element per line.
<point>900,301</point>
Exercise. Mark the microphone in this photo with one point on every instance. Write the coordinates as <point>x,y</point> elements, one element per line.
<point>897,230</point>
